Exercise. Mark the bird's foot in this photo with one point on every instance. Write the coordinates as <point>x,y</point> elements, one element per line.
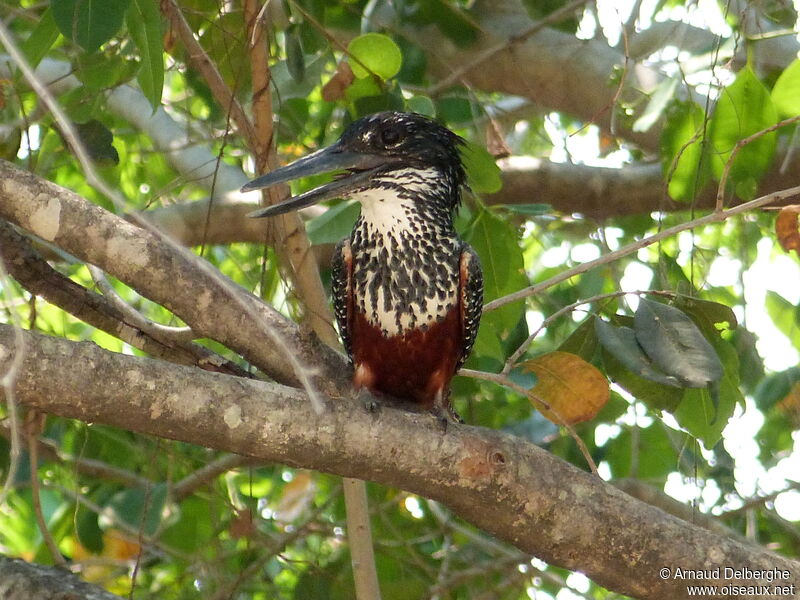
<point>444,412</point>
<point>368,401</point>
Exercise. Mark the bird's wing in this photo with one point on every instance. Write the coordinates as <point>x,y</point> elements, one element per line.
<point>470,299</point>
<point>342,292</point>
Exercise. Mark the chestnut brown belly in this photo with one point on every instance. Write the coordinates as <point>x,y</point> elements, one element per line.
<point>414,366</point>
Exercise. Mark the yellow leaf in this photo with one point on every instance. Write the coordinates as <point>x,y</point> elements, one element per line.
<point>786,228</point>
<point>568,386</point>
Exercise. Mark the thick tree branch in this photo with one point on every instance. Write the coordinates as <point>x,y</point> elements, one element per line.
<point>20,580</point>
<point>155,270</point>
<point>503,484</point>
<point>27,266</point>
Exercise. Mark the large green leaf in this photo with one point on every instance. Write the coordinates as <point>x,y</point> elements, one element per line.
<point>786,91</point>
<point>374,53</point>
<point>675,344</point>
<point>41,39</point>
<point>483,174</point>
<point>144,25</point>
<point>744,108</point>
<point>683,160</point>
<point>89,23</point>
<point>495,241</point>
<point>334,224</point>
<point>622,344</point>
<point>140,508</point>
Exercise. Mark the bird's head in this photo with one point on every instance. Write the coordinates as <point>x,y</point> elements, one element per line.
<point>371,151</point>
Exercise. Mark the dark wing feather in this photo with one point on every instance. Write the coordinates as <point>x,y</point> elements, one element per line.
<point>342,292</point>
<point>471,299</point>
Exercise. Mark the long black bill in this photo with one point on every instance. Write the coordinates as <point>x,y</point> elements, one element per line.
<point>333,158</point>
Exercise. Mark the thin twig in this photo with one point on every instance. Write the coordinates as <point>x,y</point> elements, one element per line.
<point>36,275</point>
<point>179,334</point>
<point>197,479</point>
<point>203,63</point>
<point>7,380</point>
<point>714,217</point>
<point>34,421</point>
<point>512,360</point>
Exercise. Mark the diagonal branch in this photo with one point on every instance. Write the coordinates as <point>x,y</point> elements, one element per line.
<point>510,488</point>
<point>153,267</point>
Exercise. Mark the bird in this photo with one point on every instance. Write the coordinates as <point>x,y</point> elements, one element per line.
<point>407,290</point>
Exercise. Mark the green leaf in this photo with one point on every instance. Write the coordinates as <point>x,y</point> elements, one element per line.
<point>786,92</point>
<point>775,387</point>
<point>744,108</point>
<point>334,224</point>
<point>675,344</point>
<point>655,454</point>
<point>495,241</point>
<point>659,101</point>
<point>621,343</point>
<point>144,25</point>
<point>422,105</point>
<point>785,315</point>
<point>374,53</point>
<point>88,531</point>
<point>98,71</point>
<point>483,174</point>
<point>698,414</point>
<point>89,23</point>
<point>41,39</point>
<point>295,59</point>
<point>582,341</point>
<point>140,508</point>
<point>709,316</point>
<point>655,395</point>
<point>684,163</point>
<point>98,141</point>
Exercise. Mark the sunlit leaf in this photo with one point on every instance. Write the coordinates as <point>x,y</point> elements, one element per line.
<point>744,109</point>
<point>786,91</point>
<point>374,53</point>
<point>658,103</point>
<point>483,174</point>
<point>334,224</point>
<point>683,159</point>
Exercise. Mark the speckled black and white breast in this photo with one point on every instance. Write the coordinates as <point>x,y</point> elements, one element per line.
<point>405,253</point>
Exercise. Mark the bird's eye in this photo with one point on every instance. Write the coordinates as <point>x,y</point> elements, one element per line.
<point>391,136</point>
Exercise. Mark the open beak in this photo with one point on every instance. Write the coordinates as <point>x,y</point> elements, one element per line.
<point>360,167</point>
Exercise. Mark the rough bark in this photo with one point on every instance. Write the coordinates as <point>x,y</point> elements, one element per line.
<point>212,305</point>
<point>20,580</point>
<point>508,487</point>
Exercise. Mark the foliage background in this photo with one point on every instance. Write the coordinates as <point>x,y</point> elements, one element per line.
<point>680,84</point>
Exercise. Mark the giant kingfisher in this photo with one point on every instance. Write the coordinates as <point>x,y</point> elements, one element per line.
<point>407,291</point>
